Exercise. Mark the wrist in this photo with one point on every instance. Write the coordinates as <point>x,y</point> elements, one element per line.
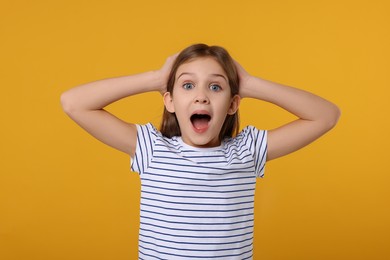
<point>154,81</point>
<point>247,87</point>
<point>160,81</point>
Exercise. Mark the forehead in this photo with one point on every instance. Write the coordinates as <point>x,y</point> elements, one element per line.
<point>201,66</point>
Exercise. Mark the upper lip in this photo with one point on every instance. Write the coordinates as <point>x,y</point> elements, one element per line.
<point>201,112</point>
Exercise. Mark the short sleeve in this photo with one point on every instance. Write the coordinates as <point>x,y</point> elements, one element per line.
<point>146,137</point>
<point>256,141</point>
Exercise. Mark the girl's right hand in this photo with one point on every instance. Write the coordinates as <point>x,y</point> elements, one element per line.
<point>164,72</point>
<point>245,80</point>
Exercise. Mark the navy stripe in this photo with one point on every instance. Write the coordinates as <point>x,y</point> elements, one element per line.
<point>198,173</point>
<point>249,257</point>
<point>148,255</point>
<point>187,190</point>
<point>195,256</point>
<point>196,197</point>
<point>192,243</point>
<point>198,217</point>
<point>199,237</point>
<point>144,158</point>
<point>197,223</point>
<point>197,250</point>
<point>197,179</point>
<point>199,204</point>
<point>196,230</point>
<point>200,185</point>
<point>201,165</point>
<point>195,210</point>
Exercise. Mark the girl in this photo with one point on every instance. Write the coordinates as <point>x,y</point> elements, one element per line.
<point>198,173</point>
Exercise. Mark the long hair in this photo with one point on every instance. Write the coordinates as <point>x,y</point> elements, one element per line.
<point>169,125</point>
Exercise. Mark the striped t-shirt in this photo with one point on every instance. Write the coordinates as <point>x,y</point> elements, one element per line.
<point>197,203</point>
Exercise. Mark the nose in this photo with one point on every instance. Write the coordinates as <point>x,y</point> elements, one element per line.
<point>201,98</point>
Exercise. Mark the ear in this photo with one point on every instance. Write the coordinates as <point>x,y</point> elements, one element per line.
<point>234,104</point>
<point>168,102</point>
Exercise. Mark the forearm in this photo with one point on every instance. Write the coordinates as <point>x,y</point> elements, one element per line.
<point>85,103</point>
<point>98,94</point>
<point>303,104</point>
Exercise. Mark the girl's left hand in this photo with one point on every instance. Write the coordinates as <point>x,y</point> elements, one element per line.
<point>244,78</point>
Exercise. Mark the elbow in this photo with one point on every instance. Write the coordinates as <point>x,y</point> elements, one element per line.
<point>67,102</point>
<point>333,117</point>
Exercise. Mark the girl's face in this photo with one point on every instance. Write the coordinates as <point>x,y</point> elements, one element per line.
<point>201,99</point>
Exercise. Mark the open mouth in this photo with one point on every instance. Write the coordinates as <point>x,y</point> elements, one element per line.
<point>200,121</point>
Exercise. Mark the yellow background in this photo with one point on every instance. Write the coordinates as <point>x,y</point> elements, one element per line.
<point>64,195</point>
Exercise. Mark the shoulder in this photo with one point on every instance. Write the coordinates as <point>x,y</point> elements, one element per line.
<point>250,131</point>
<point>147,127</point>
<point>250,137</point>
<point>149,133</point>
<point>147,130</point>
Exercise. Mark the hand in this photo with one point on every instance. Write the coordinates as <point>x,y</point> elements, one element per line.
<point>164,72</point>
<point>244,78</point>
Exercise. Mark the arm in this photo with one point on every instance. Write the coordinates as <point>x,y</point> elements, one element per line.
<point>315,115</point>
<point>85,105</point>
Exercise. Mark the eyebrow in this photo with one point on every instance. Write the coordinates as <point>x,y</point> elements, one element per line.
<point>214,74</point>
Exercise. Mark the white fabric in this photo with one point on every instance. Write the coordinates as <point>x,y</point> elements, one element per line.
<point>197,203</point>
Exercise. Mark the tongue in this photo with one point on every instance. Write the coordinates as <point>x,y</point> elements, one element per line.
<point>200,123</point>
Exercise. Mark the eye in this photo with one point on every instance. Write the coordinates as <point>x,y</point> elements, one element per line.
<point>188,86</point>
<point>215,87</point>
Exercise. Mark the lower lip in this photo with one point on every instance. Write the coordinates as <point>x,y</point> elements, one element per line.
<point>200,131</point>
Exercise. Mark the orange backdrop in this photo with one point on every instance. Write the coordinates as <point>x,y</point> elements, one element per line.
<point>64,195</point>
